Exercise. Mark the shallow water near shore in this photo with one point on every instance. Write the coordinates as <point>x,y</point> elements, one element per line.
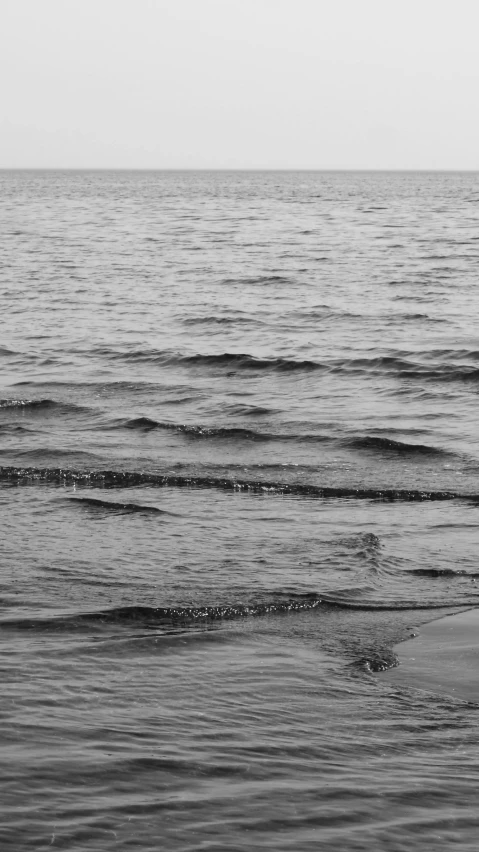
<point>443,657</point>
<point>238,464</point>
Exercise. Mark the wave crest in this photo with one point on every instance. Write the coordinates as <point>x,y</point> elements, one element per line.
<point>373,442</point>
<point>178,617</point>
<point>126,479</point>
<point>119,507</point>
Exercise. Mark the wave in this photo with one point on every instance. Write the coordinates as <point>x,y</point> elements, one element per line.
<point>386,364</point>
<point>388,445</point>
<point>366,442</point>
<point>228,433</point>
<point>221,320</point>
<point>441,572</point>
<point>437,365</point>
<point>415,316</point>
<point>113,386</point>
<point>13,427</point>
<point>219,432</point>
<point>409,365</point>
<point>110,505</point>
<point>244,361</point>
<point>158,618</point>
<point>236,360</point>
<point>125,479</point>
<point>325,312</point>
<point>144,423</point>
<point>260,279</point>
<point>43,454</point>
<point>42,405</point>
<point>243,410</point>
<point>23,404</point>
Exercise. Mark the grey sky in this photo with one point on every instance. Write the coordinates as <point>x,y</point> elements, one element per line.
<point>239,83</point>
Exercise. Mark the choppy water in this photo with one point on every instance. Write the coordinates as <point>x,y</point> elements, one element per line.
<point>239,461</point>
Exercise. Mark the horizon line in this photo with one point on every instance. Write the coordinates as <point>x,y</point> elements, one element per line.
<point>237,169</point>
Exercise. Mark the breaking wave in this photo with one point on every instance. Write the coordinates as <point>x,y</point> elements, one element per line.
<point>23,404</point>
<point>148,617</point>
<point>41,405</point>
<point>125,479</point>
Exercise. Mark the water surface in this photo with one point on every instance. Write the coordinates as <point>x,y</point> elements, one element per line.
<point>238,463</point>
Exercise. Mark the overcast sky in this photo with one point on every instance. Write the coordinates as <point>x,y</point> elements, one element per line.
<point>239,84</point>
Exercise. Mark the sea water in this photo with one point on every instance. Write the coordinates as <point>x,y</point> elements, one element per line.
<point>239,461</point>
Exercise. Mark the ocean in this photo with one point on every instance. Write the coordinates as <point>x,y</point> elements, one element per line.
<point>239,463</point>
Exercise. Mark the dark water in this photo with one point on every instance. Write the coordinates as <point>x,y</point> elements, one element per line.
<point>239,462</point>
